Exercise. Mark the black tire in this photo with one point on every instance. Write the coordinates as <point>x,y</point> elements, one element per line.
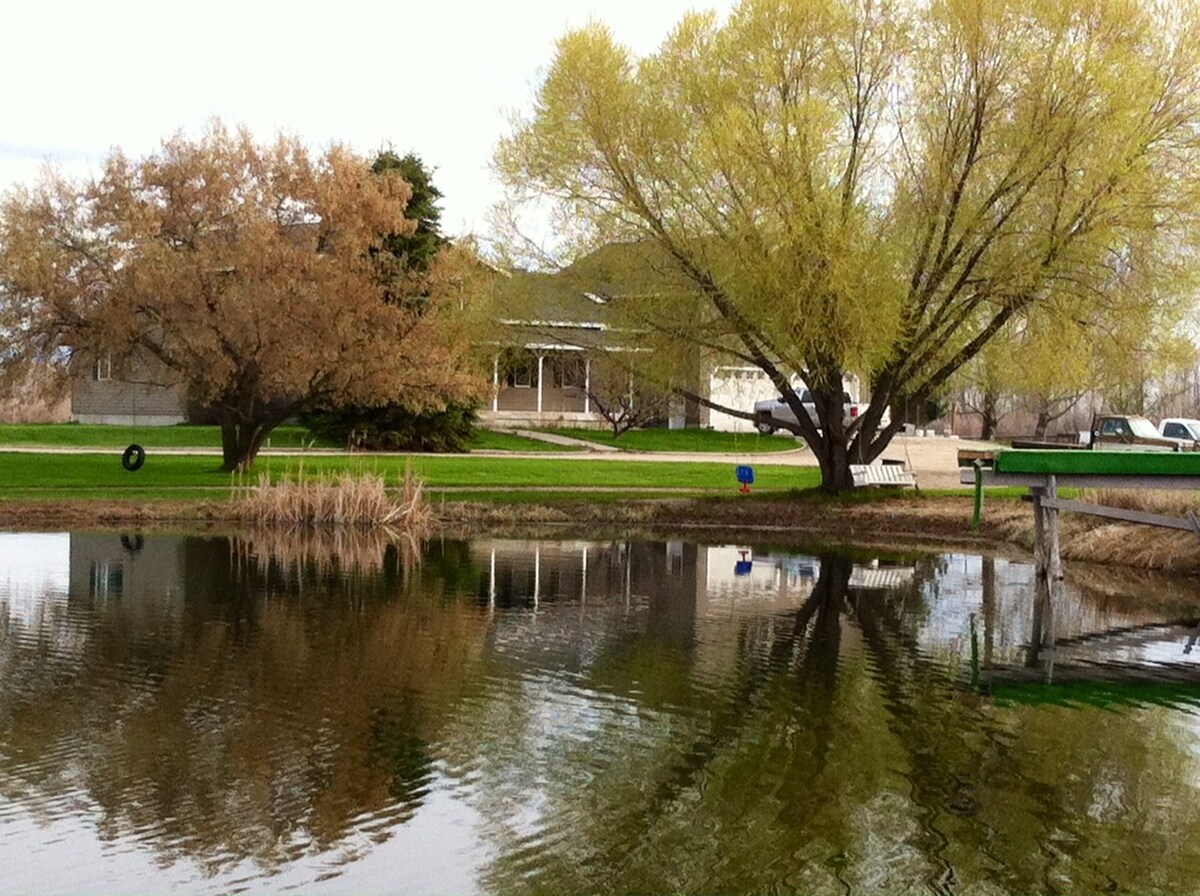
<point>765,428</point>
<point>133,458</point>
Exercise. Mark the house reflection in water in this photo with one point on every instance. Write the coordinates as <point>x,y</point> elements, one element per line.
<point>105,566</point>
<point>695,580</point>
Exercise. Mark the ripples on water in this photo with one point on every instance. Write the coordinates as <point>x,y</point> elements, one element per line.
<point>214,716</point>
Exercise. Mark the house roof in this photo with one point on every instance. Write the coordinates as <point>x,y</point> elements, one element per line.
<point>576,305</point>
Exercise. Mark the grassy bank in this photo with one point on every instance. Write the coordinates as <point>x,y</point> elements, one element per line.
<point>568,494</point>
<point>87,435</point>
<point>100,475</point>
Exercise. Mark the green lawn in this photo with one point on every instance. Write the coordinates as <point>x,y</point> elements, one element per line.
<point>100,475</point>
<point>89,435</point>
<point>705,440</point>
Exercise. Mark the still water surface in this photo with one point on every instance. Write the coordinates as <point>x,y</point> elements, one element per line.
<point>216,715</point>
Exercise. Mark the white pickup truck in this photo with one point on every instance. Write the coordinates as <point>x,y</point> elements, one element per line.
<point>774,413</point>
<point>1183,430</point>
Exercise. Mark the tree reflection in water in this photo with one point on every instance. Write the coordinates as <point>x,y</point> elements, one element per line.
<point>847,759</point>
<point>614,734</point>
<point>257,717</point>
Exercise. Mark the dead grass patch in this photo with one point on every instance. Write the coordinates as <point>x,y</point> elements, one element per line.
<point>332,523</point>
<point>327,550</point>
<point>1170,502</point>
<point>1096,540</point>
<point>329,500</point>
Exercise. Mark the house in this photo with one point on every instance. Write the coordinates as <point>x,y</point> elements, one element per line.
<point>554,355</point>
<point>553,329</point>
<point>558,347</point>
<point>142,393</point>
<point>551,353</point>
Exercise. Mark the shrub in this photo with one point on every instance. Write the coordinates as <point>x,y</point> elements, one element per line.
<point>397,428</point>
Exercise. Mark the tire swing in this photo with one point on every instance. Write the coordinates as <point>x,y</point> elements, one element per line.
<point>133,458</point>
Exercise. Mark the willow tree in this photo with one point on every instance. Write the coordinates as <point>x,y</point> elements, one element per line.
<point>1051,361</point>
<point>245,274</point>
<point>829,187</point>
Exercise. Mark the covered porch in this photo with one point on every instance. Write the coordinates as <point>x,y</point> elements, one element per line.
<point>541,386</point>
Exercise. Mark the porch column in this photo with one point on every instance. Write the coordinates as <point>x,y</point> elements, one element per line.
<point>537,574</point>
<point>587,385</point>
<point>495,382</point>
<point>492,583</point>
<point>541,364</point>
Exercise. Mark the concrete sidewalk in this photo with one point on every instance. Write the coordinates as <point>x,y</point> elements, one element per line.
<point>564,441</point>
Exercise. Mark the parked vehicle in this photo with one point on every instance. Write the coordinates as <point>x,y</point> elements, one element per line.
<point>1183,430</point>
<point>1130,433</point>
<point>774,413</point>
<point>1114,432</point>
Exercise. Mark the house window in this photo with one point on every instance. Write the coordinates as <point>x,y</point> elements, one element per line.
<point>523,373</point>
<point>102,369</point>
<point>107,578</point>
<point>569,372</point>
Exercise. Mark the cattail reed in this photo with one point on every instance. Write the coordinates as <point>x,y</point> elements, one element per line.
<point>342,500</point>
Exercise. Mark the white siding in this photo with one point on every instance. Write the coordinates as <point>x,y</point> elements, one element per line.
<point>737,387</point>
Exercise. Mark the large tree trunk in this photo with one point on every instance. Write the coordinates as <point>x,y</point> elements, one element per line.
<point>990,416</point>
<point>835,448</point>
<point>241,440</point>
<point>1043,422</point>
<point>833,455</point>
<point>246,420</point>
<point>240,443</point>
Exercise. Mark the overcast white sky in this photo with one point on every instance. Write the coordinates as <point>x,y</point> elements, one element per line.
<point>438,77</point>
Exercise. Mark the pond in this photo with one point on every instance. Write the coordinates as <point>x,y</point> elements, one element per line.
<point>212,714</point>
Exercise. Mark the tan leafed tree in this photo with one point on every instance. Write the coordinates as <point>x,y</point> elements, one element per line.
<point>249,273</point>
<point>873,187</point>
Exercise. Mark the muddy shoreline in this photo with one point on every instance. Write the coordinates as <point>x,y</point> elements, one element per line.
<point>902,523</point>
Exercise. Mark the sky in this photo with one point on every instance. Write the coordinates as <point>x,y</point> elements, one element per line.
<point>441,78</point>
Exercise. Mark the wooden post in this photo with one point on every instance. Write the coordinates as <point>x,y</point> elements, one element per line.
<point>1039,579</point>
<point>1047,564</point>
<point>989,609</point>
<point>977,516</point>
<point>1054,558</point>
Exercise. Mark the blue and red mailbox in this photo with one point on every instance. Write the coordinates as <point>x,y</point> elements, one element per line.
<point>745,475</point>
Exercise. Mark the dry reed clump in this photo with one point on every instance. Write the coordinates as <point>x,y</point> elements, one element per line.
<point>1097,540</point>
<point>328,550</point>
<point>1142,547</point>
<point>1171,502</point>
<point>344,500</point>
